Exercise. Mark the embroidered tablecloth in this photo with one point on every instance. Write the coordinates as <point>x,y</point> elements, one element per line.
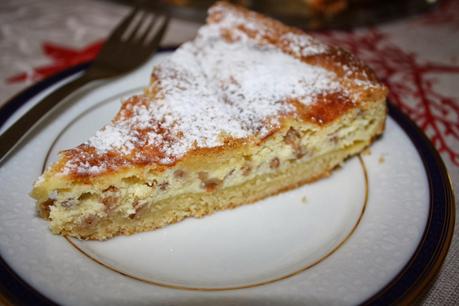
<point>418,59</point>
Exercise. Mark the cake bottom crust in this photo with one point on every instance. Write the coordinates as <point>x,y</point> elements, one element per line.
<point>175,209</point>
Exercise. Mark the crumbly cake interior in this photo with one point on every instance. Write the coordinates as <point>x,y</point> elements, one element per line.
<point>247,109</point>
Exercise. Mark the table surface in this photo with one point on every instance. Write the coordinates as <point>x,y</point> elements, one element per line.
<point>417,57</point>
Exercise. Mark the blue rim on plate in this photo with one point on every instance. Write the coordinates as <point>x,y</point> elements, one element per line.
<point>407,286</point>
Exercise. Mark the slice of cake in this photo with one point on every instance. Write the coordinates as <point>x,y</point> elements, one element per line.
<point>246,110</point>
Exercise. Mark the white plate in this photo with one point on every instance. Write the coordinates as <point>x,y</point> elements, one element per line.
<point>341,240</point>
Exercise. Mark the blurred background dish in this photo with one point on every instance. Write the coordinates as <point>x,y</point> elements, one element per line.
<point>307,14</point>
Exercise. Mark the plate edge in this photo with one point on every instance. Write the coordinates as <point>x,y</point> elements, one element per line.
<point>417,137</point>
<point>442,187</point>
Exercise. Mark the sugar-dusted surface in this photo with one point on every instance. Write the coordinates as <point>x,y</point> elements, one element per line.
<point>233,81</point>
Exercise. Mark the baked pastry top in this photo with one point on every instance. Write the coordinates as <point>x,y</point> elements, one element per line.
<point>247,109</point>
<point>241,76</point>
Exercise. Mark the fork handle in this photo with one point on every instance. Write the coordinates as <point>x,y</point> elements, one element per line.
<point>23,126</point>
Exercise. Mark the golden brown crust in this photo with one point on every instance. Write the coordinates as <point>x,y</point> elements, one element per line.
<point>328,108</point>
<point>335,59</point>
<point>325,109</point>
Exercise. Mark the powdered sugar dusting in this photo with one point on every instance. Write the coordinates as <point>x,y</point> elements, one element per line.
<point>242,26</point>
<point>209,90</point>
<point>303,45</point>
<point>112,136</point>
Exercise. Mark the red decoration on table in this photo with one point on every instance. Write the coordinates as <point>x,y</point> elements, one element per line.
<point>411,84</point>
<point>62,58</point>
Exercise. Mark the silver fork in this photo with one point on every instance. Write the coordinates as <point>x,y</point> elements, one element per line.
<point>132,42</point>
